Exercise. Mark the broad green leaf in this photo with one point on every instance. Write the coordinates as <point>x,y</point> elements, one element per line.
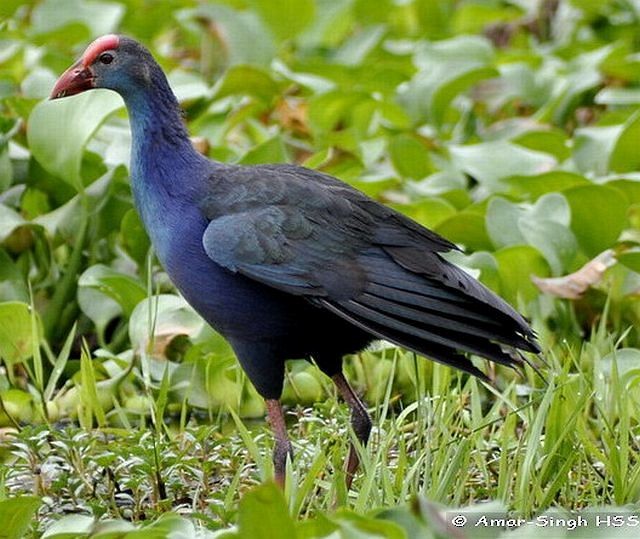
<point>12,283</point>
<point>59,131</point>
<point>429,212</point>
<point>552,141</point>
<point>134,237</point>
<point>69,527</point>
<point>555,241</point>
<point>598,216</point>
<point>100,17</point>
<point>9,221</point>
<point>285,18</point>
<point>16,515</point>
<point>445,69</point>
<point>491,162</point>
<point>625,156</point>
<point>245,39</point>
<point>618,96</point>
<point>272,150</point>
<point>247,80</point>
<point>17,405</point>
<point>533,187</point>
<point>501,222</point>
<point>167,526</point>
<point>167,316</point>
<point>630,259</point>
<point>466,228</point>
<point>264,514</point>
<point>516,264</point>
<point>17,340</point>
<point>592,147</point>
<point>354,51</point>
<point>410,157</point>
<point>124,289</point>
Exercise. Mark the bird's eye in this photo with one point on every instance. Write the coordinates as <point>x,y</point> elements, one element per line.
<point>106,58</point>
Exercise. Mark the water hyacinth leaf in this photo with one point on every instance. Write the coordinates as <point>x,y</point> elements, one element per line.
<point>429,212</point>
<point>16,514</point>
<point>264,514</point>
<point>100,17</point>
<point>234,26</point>
<point>409,157</point>
<point>554,240</point>
<point>592,148</point>
<point>533,187</point>
<point>445,69</point>
<point>630,259</point>
<point>271,150</point>
<point>247,80</point>
<point>134,237</point>
<point>466,228</point>
<point>59,131</point>
<point>17,339</point>
<point>552,141</point>
<point>285,18</point>
<point>625,156</point>
<point>501,222</point>
<point>168,316</point>
<point>491,162</point>
<point>516,265</point>
<point>122,288</point>
<point>98,307</point>
<point>598,216</point>
<point>9,221</point>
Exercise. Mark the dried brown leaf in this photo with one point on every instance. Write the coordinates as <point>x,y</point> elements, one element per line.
<point>575,284</point>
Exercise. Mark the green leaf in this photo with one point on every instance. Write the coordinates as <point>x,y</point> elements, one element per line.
<point>17,340</point>
<point>264,514</point>
<point>598,216</point>
<point>428,212</point>
<point>285,18</point>
<point>16,515</point>
<point>134,237</point>
<point>99,17</point>
<point>244,37</point>
<point>625,156</point>
<point>552,141</point>
<point>410,158</point>
<point>592,147</point>
<point>502,222</point>
<point>271,150</point>
<point>506,160</point>
<point>59,131</point>
<point>516,265</point>
<point>9,221</point>
<point>247,80</point>
<point>445,69</point>
<point>124,289</point>
<point>70,527</point>
<point>466,228</point>
<point>167,316</point>
<point>631,259</point>
<point>533,187</point>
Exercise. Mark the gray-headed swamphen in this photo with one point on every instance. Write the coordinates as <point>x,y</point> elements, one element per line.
<point>286,262</point>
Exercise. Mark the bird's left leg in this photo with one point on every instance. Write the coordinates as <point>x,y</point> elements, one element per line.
<point>360,422</point>
<point>282,446</point>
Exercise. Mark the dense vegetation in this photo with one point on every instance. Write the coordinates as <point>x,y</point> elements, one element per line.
<point>510,127</point>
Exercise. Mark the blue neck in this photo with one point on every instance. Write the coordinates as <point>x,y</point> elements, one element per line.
<point>161,152</point>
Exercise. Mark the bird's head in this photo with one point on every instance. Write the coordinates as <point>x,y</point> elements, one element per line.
<point>111,61</point>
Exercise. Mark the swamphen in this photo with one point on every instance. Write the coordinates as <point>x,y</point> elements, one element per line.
<point>287,262</point>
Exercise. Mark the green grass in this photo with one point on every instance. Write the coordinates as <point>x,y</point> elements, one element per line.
<point>568,443</point>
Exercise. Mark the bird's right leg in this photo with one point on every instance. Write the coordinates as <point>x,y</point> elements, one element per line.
<point>360,422</point>
<point>282,447</point>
